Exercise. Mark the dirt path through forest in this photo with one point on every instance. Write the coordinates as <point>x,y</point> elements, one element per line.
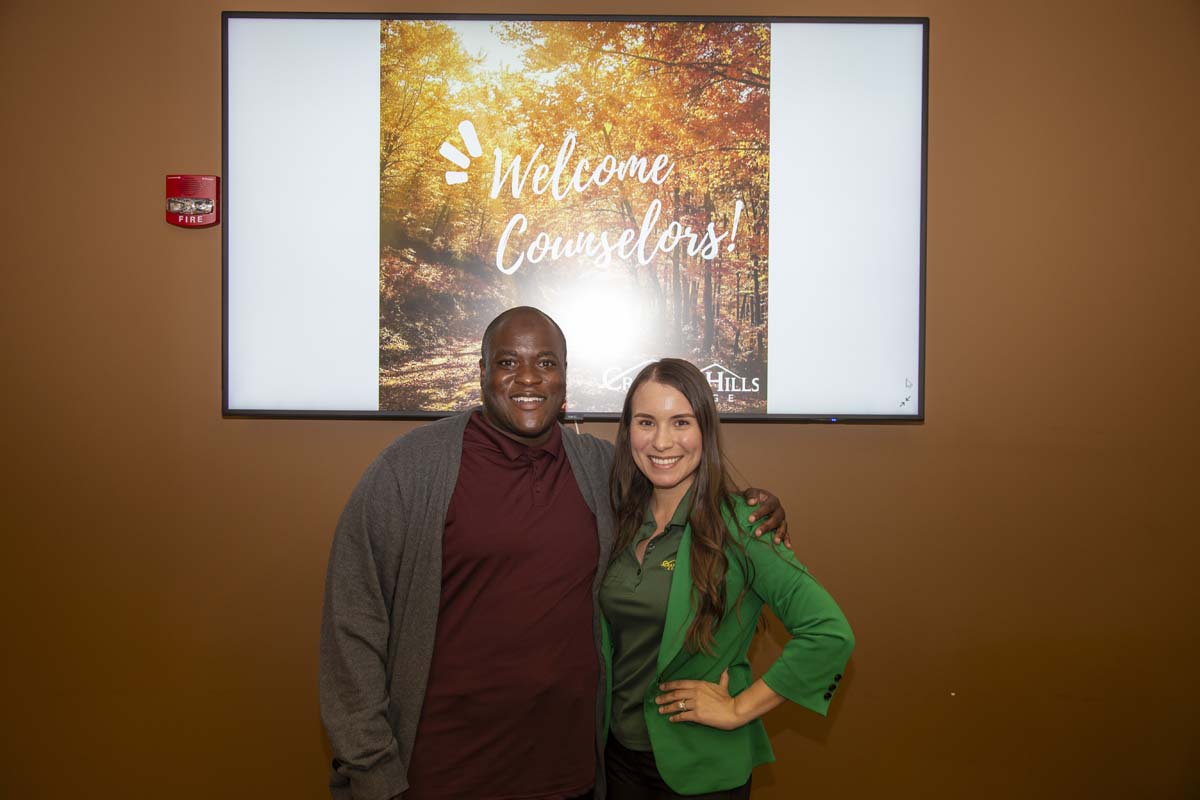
<point>449,379</point>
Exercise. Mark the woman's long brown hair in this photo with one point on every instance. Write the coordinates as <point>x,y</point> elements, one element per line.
<point>630,491</point>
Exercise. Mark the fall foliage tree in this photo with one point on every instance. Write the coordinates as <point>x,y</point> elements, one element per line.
<point>697,92</point>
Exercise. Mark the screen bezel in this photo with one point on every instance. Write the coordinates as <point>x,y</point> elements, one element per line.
<point>923,22</point>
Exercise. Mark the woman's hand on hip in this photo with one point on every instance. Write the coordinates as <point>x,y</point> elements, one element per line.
<point>701,702</point>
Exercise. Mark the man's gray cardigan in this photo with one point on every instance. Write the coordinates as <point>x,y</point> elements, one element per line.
<point>382,593</point>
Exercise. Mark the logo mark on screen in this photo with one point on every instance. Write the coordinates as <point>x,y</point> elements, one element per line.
<point>723,380</point>
<point>451,153</point>
<point>619,380</point>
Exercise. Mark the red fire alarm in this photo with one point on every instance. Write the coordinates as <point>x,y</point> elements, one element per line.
<point>193,201</point>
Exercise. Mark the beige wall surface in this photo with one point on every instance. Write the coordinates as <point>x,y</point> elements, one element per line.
<point>1018,569</point>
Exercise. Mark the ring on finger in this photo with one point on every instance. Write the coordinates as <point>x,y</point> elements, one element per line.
<point>683,705</point>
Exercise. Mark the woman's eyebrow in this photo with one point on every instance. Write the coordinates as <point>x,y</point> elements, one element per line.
<point>648,415</point>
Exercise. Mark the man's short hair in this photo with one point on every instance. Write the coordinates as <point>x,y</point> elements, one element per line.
<point>486,344</point>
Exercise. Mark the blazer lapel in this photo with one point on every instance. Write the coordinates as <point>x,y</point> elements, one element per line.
<point>679,604</point>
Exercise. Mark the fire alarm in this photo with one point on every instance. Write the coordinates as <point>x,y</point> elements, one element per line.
<point>193,201</point>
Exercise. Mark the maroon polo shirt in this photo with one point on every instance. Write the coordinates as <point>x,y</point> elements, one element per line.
<point>510,708</point>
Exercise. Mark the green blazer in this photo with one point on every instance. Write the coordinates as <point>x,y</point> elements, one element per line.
<point>693,758</point>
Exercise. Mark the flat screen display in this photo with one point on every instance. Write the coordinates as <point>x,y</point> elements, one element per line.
<point>747,194</point>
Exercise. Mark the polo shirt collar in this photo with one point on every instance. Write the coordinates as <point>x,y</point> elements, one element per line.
<point>513,449</point>
<point>679,519</point>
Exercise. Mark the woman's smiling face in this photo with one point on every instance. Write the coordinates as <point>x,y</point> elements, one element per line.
<point>664,436</point>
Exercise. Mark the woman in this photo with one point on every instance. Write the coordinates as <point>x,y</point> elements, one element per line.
<point>681,601</point>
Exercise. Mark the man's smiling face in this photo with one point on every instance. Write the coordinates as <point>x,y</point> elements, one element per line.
<point>523,377</point>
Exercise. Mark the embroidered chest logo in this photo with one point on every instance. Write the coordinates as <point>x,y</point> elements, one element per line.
<point>668,564</point>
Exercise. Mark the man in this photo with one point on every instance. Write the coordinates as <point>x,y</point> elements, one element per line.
<point>459,638</point>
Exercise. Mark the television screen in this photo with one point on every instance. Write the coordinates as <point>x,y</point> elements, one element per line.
<point>745,193</point>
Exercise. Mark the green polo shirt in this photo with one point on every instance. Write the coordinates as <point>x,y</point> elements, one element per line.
<point>634,598</point>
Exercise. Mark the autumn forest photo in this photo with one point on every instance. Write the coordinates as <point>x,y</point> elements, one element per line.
<point>612,173</point>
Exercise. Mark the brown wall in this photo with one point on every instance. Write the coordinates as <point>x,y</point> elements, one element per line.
<point>1018,569</point>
